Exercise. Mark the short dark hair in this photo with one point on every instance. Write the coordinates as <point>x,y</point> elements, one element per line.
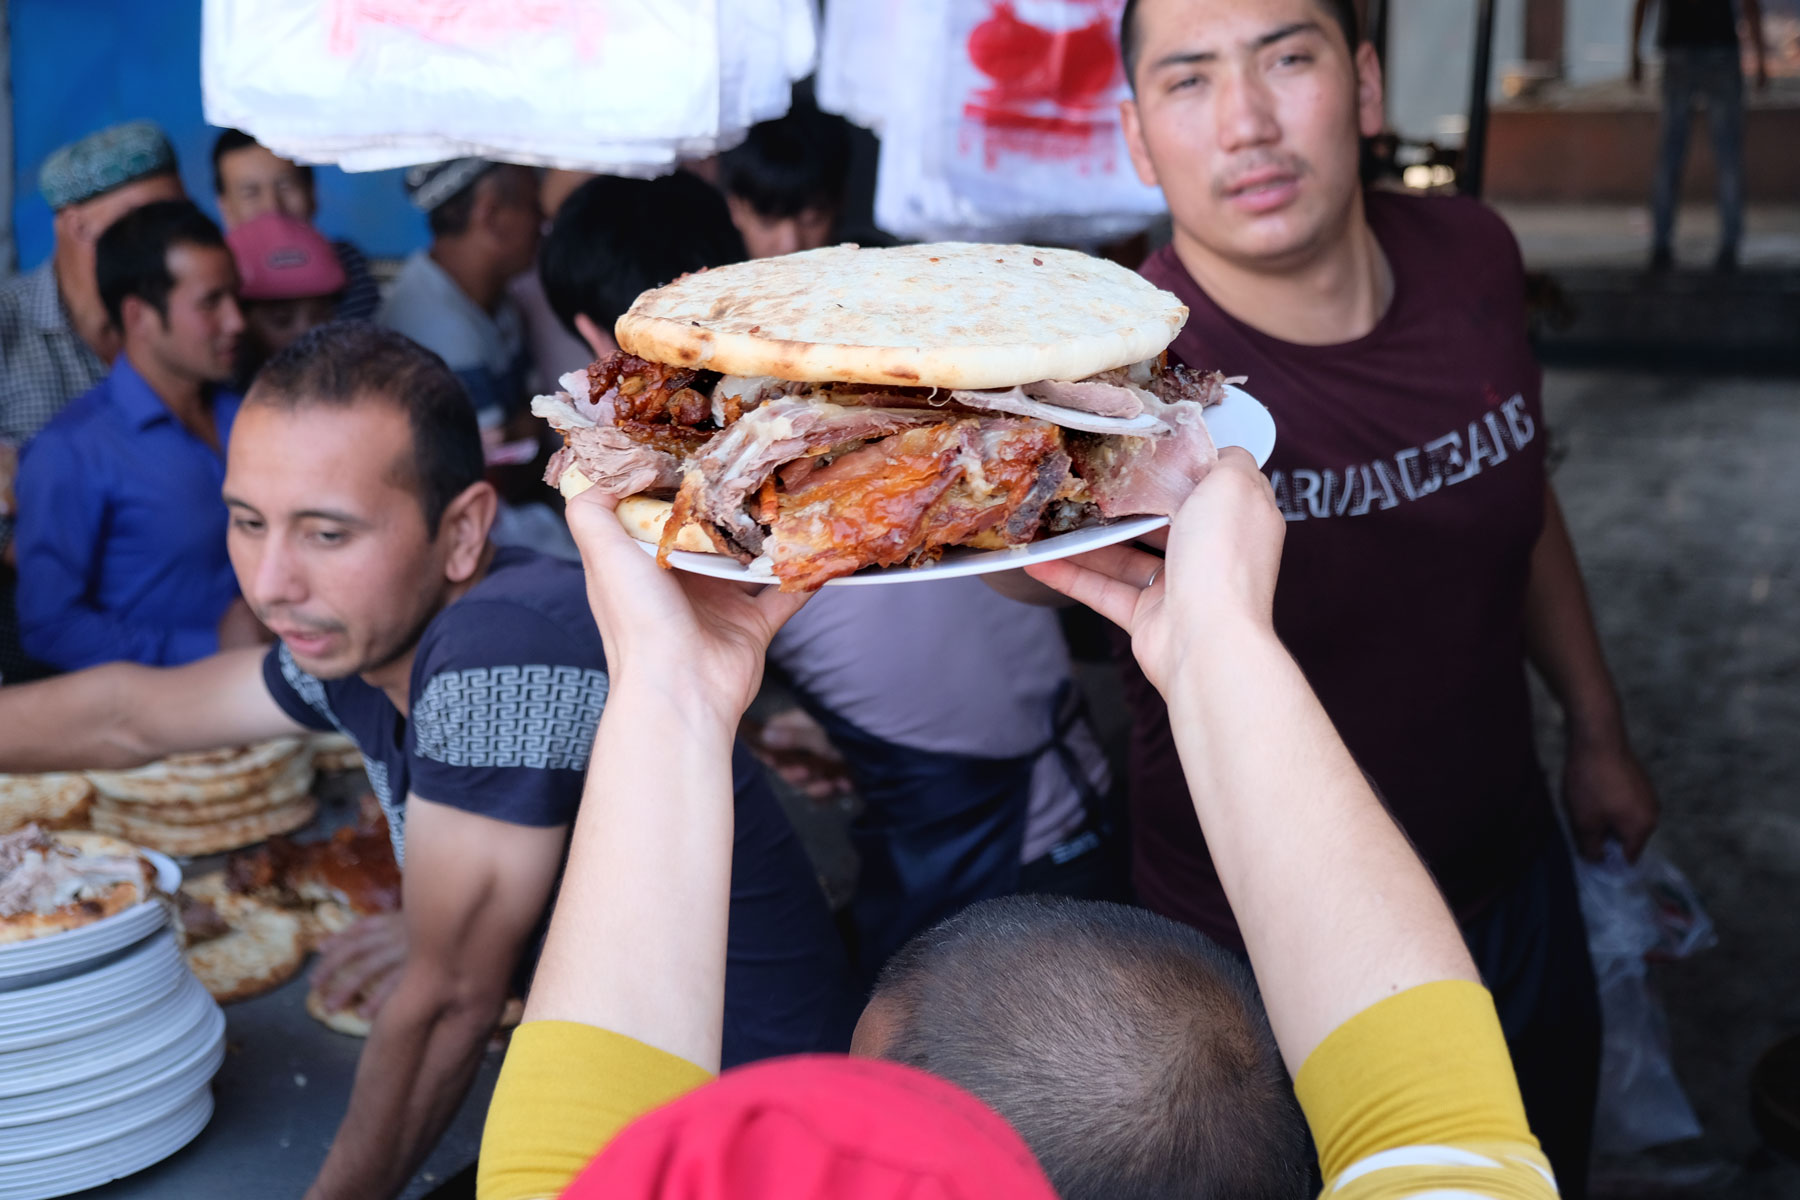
<point>343,363</point>
<point>237,139</point>
<point>614,239</point>
<point>1130,1052</point>
<point>132,256</point>
<point>453,215</point>
<point>1342,11</point>
<point>797,162</point>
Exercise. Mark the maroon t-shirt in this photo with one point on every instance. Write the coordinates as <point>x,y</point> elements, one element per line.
<point>1410,466</point>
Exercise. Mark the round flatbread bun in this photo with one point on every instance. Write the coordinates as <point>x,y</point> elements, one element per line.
<point>54,801</point>
<point>335,752</point>
<point>951,315</point>
<point>108,876</point>
<point>295,782</point>
<point>263,950</point>
<point>205,778</point>
<point>644,518</point>
<point>339,1020</point>
<point>215,838</point>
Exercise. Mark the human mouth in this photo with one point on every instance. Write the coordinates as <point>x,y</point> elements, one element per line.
<point>1263,191</point>
<point>304,642</point>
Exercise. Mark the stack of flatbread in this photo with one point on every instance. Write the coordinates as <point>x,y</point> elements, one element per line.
<point>52,801</point>
<point>209,802</point>
<point>237,945</point>
<point>335,752</point>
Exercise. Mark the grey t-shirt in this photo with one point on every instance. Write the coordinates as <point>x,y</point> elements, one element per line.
<point>949,666</point>
<point>486,351</point>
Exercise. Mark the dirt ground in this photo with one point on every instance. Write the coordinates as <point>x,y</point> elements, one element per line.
<point>1683,497</point>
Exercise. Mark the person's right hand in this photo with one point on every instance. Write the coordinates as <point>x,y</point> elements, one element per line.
<point>1223,553</point>
<point>239,627</point>
<point>361,965</point>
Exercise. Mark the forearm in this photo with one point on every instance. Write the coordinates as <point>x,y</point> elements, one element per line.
<point>1561,639</point>
<point>637,944</point>
<point>414,1072</point>
<point>75,722</point>
<point>1336,910</point>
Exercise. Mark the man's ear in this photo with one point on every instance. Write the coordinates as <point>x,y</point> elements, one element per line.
<point>133,311</point>
<point>1371,112</point>
<point>1135,144</point>
<point>465,524</point>
<point>598,340</point>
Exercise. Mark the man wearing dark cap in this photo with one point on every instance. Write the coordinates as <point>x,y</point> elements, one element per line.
<point>451,296</point>
<point>55,339</point>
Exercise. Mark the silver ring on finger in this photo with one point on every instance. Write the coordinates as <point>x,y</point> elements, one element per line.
<point>1155,574</point>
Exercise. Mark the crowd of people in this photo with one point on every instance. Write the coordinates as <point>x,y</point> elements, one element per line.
<point>1322,928</point>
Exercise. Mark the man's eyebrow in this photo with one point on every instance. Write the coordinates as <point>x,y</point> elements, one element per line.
<point>1192,57</point>
<point>331,514</point>
<point>1286,31</point>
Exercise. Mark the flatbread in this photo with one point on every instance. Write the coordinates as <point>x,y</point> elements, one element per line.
<point>339,1020</point>
<point>263,950</point>
<point>644,518</point>
<point>52,801</point>
<point>296,782</point>
<point>335,752</point>
<point>214,838</point>
<point>951,315</point>
<point>103,898</point>
<point>202,778</point>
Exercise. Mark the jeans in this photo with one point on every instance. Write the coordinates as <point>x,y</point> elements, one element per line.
<point>1715,75</point>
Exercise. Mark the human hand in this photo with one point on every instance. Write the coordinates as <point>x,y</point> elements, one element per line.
<point>798,749</point>
<point>1608,795</point>
<point>240,627</point>
<point>706,636</point>
<point>362,964</point>
<point>1223,553</point>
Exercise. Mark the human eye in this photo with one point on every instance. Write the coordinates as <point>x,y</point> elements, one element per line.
<point>328,536</point>
<point>247,524</point>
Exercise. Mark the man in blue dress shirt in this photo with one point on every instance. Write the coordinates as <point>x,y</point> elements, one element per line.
<point>121,534</point>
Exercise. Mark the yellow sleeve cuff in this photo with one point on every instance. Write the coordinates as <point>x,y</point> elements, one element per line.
<point>1427,1067</point>
<point>565,1091</point>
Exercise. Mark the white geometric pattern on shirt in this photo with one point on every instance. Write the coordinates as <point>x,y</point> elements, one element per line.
<point>312,692</point>
<point>534,715</point>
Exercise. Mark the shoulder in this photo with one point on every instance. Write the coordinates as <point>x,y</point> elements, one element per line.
<point>70,429</point>
<point>1165,270</point>
<point>1454,228</point>
<point>529,610</point>
<point>349,255</point>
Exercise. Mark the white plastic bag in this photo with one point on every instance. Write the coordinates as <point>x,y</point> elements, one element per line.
<point>999,118</point>
<point>1635,912</point>
<point>621,86</point>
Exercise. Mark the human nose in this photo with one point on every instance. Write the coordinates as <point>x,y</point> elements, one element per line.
<point>231,317</point>
<point>1246,112</point>
<point>271,577</point>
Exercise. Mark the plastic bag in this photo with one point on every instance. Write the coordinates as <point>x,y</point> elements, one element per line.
<point>999,118</point>
<point>1634,913</point>
<point>622,86</point>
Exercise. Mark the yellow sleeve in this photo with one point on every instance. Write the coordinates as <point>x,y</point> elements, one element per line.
<point>1417,1094</point>
<point>565,1090</point>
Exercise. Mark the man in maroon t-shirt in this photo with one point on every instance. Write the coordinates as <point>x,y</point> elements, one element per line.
<point>1426,558</point>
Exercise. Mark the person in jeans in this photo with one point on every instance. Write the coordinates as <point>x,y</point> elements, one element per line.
<point>1699,43</point>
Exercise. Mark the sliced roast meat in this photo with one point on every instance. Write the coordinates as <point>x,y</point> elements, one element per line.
<point>1089,396</point>
<point>1146,476</point>
<point>736,462</point>
<point>1179,384</point>
<point>905,497</point>
<point>1015,401</point>
<point>612,461</point>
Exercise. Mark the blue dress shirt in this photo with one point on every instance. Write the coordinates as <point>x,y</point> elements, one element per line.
<point>121,531</point>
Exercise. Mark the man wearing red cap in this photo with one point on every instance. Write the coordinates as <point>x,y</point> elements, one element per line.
<point>289,282</point>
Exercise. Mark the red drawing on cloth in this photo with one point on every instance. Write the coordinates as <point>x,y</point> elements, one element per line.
<point>1052,95</point>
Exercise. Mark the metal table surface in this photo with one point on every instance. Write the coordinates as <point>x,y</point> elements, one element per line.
<point>284,1087</point>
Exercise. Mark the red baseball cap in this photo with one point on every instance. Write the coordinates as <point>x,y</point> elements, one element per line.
<point>279,258</point>
<point>818,1127</point>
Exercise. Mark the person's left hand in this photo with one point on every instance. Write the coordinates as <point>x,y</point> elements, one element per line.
<point>707,636</point>
<point>362,964</point>
<point>1608,795</point>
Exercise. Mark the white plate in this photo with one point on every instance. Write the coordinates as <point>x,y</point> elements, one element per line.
<point>1238,420</point>
<point>144,1031</point>
<point>128,1151</point>
<point>145,1101</point>
<point>42,960</point>
<point>56,1011</point>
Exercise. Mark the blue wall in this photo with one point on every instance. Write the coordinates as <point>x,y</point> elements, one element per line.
<point>78,65</point>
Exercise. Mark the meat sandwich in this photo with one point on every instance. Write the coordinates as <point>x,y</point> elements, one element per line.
<point>846,407</point>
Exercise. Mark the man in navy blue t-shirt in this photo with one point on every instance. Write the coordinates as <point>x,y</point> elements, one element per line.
<point>472,678</point>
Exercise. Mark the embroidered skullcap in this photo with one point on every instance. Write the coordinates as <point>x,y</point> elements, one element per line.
<point>429,185</point>
<point>104,160</point>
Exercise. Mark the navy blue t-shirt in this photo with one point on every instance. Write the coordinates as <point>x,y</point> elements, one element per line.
<point>508,684</point>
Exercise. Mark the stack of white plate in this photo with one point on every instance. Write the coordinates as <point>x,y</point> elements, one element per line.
<point>108,1045</point>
